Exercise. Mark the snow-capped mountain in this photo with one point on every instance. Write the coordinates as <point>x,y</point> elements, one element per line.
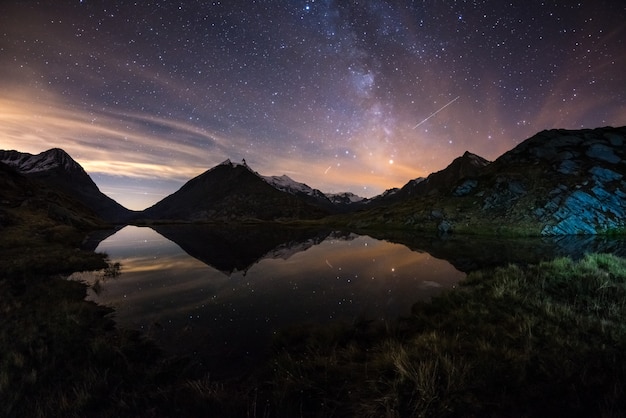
<point>26,163</point>
<point>287,184</point>
<point>56,169</point>
<point>345,198</point>
<point>232,191</point>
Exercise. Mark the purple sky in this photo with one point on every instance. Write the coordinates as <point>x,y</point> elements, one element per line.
<point>344,96</point>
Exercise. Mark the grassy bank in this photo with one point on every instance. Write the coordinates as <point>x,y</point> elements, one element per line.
<point>544,340</point>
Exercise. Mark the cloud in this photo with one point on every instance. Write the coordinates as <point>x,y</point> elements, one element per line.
<point>124,144</point>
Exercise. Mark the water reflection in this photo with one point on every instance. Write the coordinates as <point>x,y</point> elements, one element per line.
<point>469,253</point>
<point>224,303</point>
<point>229,248</point>
<point>219,294</point>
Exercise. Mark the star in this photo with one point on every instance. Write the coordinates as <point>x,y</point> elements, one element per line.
<point>184,87</point>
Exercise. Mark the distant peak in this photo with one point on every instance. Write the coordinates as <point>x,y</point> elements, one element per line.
<point>48,160</point>
<point>56,151</point>
<point>473,158</point>
<point>61,157</point>
<point>229,162</point>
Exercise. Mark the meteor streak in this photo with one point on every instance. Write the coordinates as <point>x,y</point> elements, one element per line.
<point>433,114</point>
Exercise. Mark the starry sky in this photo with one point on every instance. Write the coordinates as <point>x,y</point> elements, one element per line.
<point>355,96</point>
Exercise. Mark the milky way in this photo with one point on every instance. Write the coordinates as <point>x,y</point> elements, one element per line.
<point>345,96</point>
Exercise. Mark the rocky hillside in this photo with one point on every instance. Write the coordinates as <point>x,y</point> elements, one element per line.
<point>28,202</point>
<point>558,182</point>
<point>440,182</point>
<point>577,181</point>
<point>231,192</point>
<point>56,169</point>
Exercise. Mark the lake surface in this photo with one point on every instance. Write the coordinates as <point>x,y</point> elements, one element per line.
<point>220,294</point>
<point>225,302</point>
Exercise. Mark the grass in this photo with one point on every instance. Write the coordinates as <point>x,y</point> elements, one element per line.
<point>544,340</point>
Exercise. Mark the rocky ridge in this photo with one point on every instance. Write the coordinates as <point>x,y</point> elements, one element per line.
<point>587,169</point>
<point>558,182</point>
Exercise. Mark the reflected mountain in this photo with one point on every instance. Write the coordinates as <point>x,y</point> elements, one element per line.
<point>469,253</point>
<point>237,248</point>
<point>91,241</point>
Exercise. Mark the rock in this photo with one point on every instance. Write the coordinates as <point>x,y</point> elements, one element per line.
<point>582,213</point>
<point>539,213</point>
<point>603,152</point>
<point>505,192</point>
<point>553,204</point>
<point>610,203</point>
<point>568,167</point>
<point>604,175</point>
<point>465,188</point>
<point>444,227</point>
<point>436,214</point>
<point>614,139</point>
<point>516,187</point>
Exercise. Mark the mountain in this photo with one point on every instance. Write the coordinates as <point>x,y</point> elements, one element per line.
<point>231,191</point>
<point>442,181</point>
<point>558,182</point>
<point>301,190</point>
<point>439,182</point>
<point>564,181</point>
<point>346,198</point>
<point>28,203</point>
<point>332,202</point>
<point>56,169</point>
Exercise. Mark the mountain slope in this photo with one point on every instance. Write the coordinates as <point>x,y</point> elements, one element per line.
<point>440,182</point>
<point>567,181</point>
<point>58,170</point>
<point>345,198</point>
<point>558,182</point>
<point>303,191</point>
<point>26,202</point>
<point>230,191</point>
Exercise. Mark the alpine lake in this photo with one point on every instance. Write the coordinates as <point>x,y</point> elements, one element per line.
<point>220,294</point>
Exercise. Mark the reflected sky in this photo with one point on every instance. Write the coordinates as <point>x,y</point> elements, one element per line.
<point>193,308</point>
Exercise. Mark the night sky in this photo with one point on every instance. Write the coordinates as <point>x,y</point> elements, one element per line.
<point>355,96</point>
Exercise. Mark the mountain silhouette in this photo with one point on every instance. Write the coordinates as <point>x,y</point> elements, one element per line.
<point>231,191</point>
<point>24,200</point>
<point>558,182</point>
<point>56,169</point>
